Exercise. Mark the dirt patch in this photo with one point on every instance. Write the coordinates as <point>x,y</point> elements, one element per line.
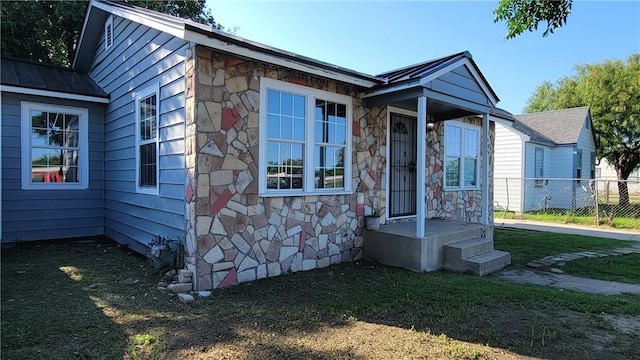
<point>625,323</point>
<point>558,334</point>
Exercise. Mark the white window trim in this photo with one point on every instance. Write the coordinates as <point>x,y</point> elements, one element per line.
<point>108,24</point>
<point>153,89</point>
<point>308,172</point>
<point>539,182</point>
<point>83,145</point>
<point>463,126</point>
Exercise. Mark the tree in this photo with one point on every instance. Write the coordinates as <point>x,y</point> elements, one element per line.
<point>521,15</point>
<point>48,31</point>
<point>612,91</point>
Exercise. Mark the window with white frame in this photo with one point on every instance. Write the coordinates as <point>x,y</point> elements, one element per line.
<point>592,165</point>
<point>538,167</point>
<point>578,164</point>
<point>54,145</point>
<point>108,33</point>
<point>147,140</point>
<point>462,154</point>
<point>305,142</point>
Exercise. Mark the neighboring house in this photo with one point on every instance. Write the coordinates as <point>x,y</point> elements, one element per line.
<point>259,160</point>
<point>538,155</point>
<point>604,171</point>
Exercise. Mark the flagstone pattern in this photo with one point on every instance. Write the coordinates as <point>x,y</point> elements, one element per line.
<point>233,234</point>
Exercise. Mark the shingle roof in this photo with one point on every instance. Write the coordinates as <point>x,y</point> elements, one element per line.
<point>558,126</point>
<point>26,74</point>
<point>502,113</point>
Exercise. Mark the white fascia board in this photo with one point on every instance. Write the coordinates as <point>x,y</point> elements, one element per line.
<point>53,94</point>
<point>391,89</point>
<point>177,31</point>
<point>275,60</point>
<point>472,69</point>
<point>502,121</point>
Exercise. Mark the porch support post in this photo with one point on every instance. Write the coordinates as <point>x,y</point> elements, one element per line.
<point>485,169</point>
<point>421,167</point>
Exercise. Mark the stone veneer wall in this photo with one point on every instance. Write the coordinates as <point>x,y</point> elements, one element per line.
<point>462,205</point>
<point>233,235</point>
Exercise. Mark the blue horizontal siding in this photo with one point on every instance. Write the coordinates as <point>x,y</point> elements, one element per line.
<point>140,58</point>
<point>49,214</point>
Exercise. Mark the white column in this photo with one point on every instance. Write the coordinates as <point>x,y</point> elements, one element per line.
<point>421,167</point>
<point>485,169</point>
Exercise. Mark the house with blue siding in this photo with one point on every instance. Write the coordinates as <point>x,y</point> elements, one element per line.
<point>257,160</point>
<point>540,155</point>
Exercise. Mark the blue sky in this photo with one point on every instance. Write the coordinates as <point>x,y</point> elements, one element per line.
<point>376,36</point>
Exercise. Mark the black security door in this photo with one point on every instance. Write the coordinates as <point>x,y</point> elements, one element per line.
<point>402,177</point>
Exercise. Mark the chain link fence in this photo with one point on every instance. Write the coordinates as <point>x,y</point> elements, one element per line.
<point>602,202</point>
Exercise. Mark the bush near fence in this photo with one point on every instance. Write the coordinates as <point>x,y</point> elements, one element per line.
<point>567,200</point>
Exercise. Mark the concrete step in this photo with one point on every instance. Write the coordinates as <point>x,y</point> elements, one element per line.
<point>488,262</point>
<point>465,249</point>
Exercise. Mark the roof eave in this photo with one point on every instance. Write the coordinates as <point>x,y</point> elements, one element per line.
<point>246,48</point>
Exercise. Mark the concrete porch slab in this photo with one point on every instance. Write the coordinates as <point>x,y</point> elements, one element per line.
<point>397,245</point>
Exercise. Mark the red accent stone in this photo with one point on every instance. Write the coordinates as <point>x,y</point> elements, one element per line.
<point>359,210</point>
<point>355,128</point>
<point>229,117</point>
<point>437,168</point>
<point>231,61</point>
<point>221,201</point>
<point>373,175</point>
<point>229,280</point>
<point>236,172</point>
<point>299,81</point>
<point>436,192</point>
<point>189,193</point>
<point>471,201</point>
<point>303,237</point>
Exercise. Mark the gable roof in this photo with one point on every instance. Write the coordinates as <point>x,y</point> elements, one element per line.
<point>561,127</point>
<point>432,69</point>
<point>99,10</point>
<point>24,76</point>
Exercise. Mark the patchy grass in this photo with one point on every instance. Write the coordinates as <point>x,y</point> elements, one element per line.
<point>63,301</point>
<point>525,245</point>
<point>615,268</point>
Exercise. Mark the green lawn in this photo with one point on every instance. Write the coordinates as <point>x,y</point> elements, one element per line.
<point>526,246</point>
<point>63,301</point>
<point>625,220</point>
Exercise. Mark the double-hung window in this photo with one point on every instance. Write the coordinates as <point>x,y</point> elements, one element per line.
<point>305,140</point>
<point>55,150</point>
<point>462,154</point>
<point>147,140</point>
<point>539,166</point>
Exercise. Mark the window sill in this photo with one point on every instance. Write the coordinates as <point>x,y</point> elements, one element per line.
<point>56,187</point>
<point>462,188</point>
<point>301,193</point>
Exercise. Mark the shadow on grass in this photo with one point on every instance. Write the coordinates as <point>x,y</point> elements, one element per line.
<point>47,310</point>
<point>66,300</point>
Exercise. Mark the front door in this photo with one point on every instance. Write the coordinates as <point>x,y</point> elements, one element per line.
<point>402,175</point>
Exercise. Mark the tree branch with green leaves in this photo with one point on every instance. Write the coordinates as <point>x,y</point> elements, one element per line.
<point>526,15</point>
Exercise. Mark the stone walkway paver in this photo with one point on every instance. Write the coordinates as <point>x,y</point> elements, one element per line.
<point>561,259</point>
<point>569,282</point>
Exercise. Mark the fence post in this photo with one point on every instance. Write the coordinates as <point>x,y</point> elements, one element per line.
<point>595,187</point>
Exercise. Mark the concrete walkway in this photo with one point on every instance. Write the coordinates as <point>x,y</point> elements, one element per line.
<point>605,232</point>
<point>569,282</point>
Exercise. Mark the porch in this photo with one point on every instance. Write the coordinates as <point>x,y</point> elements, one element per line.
<point>450,245</point>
